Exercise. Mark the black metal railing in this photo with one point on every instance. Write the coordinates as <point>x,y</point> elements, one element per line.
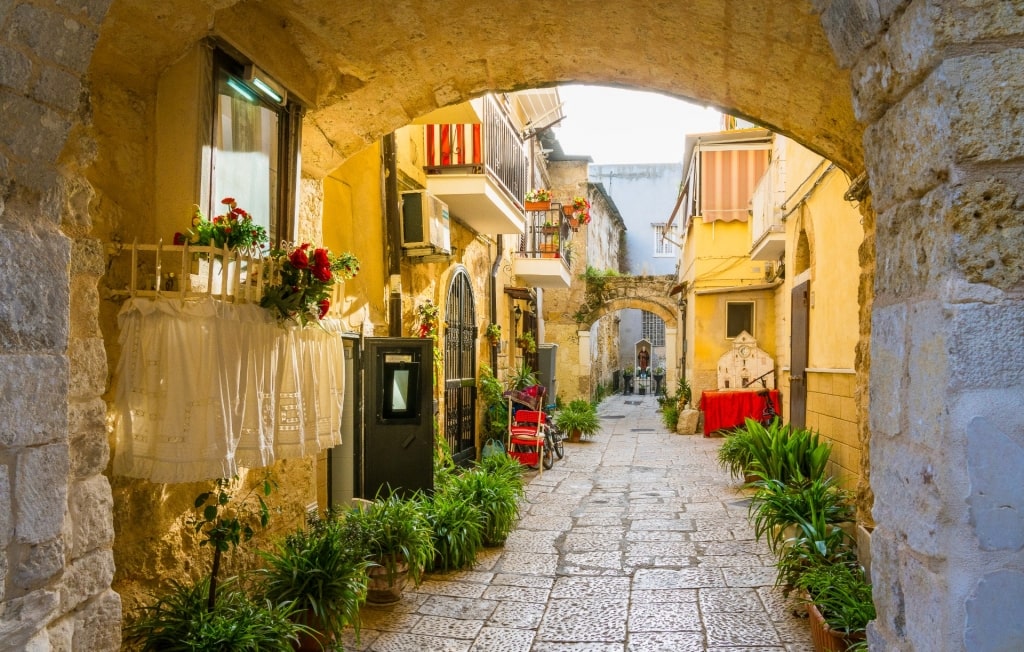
<point>548,235</point>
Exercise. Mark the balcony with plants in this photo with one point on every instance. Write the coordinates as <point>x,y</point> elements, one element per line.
<point>479,168</point>
<point>545,257</point>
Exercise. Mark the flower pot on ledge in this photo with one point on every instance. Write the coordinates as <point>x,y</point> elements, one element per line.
<point>537,205</point>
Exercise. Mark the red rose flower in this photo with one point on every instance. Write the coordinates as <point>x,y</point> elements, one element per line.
<point>228,201</point>
<point>322,273</point>
<point>179,238</point>
<point>320,258</point>
<point>324,306</point>
<point>299,259</point>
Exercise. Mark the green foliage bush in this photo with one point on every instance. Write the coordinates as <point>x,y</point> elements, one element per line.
<point>842,594</point>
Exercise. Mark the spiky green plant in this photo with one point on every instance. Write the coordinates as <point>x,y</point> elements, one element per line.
<point>457,523</point>
<point>842,594</point>
<point>397,531</point>
<point>776,506</point>
<point>789,455</point>
<point>496,494</point>
<point>734,455</point>
<point>180,620</point>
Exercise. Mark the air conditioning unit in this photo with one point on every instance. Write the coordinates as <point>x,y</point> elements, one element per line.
<point>425,223</point>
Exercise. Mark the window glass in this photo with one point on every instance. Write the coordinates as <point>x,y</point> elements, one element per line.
<point>653,329</point>
<point>663,247</point>
<point>247,140</point>
<point>740,317</point>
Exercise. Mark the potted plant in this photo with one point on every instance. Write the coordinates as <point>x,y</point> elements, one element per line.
<point>321,570</point>
<point>839,605</point>
<point>526,342</point>
<point>493,334</point>
<point>578,212</point>
<point>399,544</point>
<point>734,454</point>
<point>627,379</point>
<point>181,619</point>
<point>538,199</point>
<point>777,508</point>
<point>457,523</point>
<point>658,375</point>
<point>496,486</point>
<point>579,419</point>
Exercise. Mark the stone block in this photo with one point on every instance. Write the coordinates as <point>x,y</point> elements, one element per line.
<point>910,145</point>
<point>888,361</point>
<point>995,464</point>
<point>33,306</point>
<point>986,221</point>
<point>61,635</point>
<point>98,624</point>
<point>59,89</point>
<point>6,521</point>
<point>35,566</point>
<point>989,625</point>
<point>92,508</point>
<point>88,365</point>
<point>88,257</point>
<point>687,424</point>
<point>24,617</point>
<point>908,496</point>
<point>85,578</point>
<point>92,10</point>
<point>40,493</point>
<point>34,27</point>
<point>15,69</point>
<point>33,133</point>
<point>90,447</point>
<point>851,27</point>
<point>33,399</point>
<point>85,307</point>
<point>917,250</point>
<point>978,359</point>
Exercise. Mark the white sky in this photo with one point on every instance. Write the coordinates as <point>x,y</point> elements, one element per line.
<point>615,125</point>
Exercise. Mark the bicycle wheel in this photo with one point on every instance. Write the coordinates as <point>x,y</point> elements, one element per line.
<point>559,446</point>
<point>549,458</point>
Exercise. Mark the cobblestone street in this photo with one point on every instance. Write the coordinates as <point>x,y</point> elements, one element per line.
<point>635,542</point>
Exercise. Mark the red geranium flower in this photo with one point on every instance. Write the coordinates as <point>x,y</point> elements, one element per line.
<point>324,305</point>
<point>299,259</point>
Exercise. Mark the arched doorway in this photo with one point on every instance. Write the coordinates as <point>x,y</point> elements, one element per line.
<point>460,369</point>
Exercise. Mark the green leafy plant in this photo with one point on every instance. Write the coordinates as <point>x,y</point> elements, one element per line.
<point>397,532</point>
<point>842,594</point>
<point>789,455</point>
<point>670,415</point>
<point>579,415</point>
<point>234,229</point>
<point>495,486</point>
<point>776,507</point>
<point>816,542</point>
<point>299,281</point>
<point>684,394</point>
<point>527,342</point>
<point>538,195</point>
<point>458,526</point>
<point>496,407</point>
<point>734,455</point>
<point>225,521</point>
<point>493,333</point>
<point>522,377</point>
<point>321,570</point>
<point>182,620</point>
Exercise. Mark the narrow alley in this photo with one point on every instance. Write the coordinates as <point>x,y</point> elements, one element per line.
<point>635,542</point>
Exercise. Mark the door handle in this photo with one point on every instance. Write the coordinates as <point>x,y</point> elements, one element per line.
<point>796,379</point>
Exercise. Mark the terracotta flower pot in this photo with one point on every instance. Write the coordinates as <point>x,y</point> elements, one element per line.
<point>537,205</point>
<point>382,590</point>
<point>824,638</point>
<point>575,436</point>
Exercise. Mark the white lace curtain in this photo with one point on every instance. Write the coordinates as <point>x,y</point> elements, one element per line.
<point>204,387</point>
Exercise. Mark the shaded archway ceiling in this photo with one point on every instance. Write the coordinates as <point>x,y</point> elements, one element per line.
<point>372,66</point>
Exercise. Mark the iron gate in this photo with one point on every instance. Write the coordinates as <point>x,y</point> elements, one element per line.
<point>460,369</point>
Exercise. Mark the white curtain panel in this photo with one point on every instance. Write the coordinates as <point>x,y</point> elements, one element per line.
<point>205,387</point>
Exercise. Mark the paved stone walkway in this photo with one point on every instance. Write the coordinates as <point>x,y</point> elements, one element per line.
<point>635,542</point>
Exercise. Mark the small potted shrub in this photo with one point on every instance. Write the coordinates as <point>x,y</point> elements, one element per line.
<point>776,508</point>
<point>493,334</point>
<point>321,571</point>
<point>579,419</point>
<point>457,523</point>
<point>734,455</point>
<point>839,604</point>
<point>398,544</point>
<point>496,486</point>
<point>537,199</point>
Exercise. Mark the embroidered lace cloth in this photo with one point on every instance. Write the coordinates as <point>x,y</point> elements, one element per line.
<point>205,387</point>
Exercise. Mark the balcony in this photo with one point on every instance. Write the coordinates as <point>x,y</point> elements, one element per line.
<point>767,230</point>
<point>479,169</point>
<point>545,257</point>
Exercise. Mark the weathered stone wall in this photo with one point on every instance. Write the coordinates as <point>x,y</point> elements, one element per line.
<point>947,451</point>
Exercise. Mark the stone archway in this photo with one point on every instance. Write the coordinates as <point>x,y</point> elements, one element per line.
<point>926,117</point>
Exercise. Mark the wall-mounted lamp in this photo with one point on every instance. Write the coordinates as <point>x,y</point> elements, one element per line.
<point>517,313</point>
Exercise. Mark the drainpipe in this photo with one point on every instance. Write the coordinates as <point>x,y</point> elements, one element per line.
<point>393,234</point>
<point>495,268</point>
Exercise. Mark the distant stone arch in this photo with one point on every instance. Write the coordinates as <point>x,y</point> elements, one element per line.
<point>611,294</point>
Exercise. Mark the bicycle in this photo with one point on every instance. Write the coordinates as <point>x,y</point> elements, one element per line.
<point>554,434</point>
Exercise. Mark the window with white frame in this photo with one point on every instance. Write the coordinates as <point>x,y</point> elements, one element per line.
<point>254,145</point>
<point>664,247</point>
<point>739,318</point>
<point>653,329</point>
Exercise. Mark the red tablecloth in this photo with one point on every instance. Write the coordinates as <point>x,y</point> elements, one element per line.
<point>730,408</point>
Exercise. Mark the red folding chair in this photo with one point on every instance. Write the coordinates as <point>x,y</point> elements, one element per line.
<point>526,434</point>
